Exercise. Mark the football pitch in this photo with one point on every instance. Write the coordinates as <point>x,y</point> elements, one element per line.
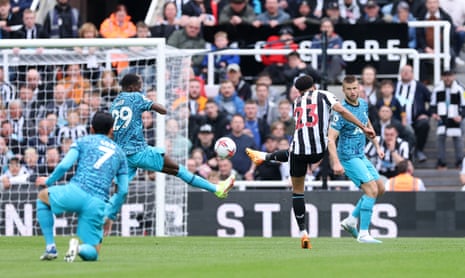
<point>240,257</point>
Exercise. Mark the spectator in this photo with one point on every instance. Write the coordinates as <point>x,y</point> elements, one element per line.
<point>237,12</point>
<point>7,91</point>
<point>73,129</point>
<point>180,143</point>
<point>228,101</point>
<point>92,68</point>
<point>197,102</point>
<point>216,118</point>
<point>285,116</point>
<point>372,13</point>
<point>334,63</point>
<point>190,38</point>
<point>201,9</point>
<point>42,141</point>
<point>52,158</point>
<point>108,87</point>
<point>388,99</point>
<point>385,118</point>
<point>15,175</point>
<point>395,150</point>
<point>149,127</point>
<point>403,15</point>
<point>334,13</point>
<point>32,109</point>
<point>74,83</point>
<point>296,67</point>
<point>278,130</point>
<point>456,10</point>
<point>234,74</point>
<point>274,64</point>
<point>414,97</point>
<point>220,61</point>
<point>60,104</point>
<point>426,39</point>
<point>30,28</point>
<point>34,82</point>
<point>205,141</point>
<point>31,160</point>
<point>405,181</point>
<point>304,16</point>
<point>240,161</point>
<point>370,85</point>
<point>448,109</point>
<point>63,21</point>
<point>349,10</point>
<point>7,19</point>
<point>5,155</point>
<point>168,23</point>
<point>84,115</point>
<point>267,109</point>
<point>370,89</point>
<point>225,168</point>
<point>118,24</point>
<point>257,127</point>
<point>21,127</point>
<point>20,6</point>
<point>272,16</point>
<point>415,7</point>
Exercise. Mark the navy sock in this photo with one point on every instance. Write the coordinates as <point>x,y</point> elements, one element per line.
<point>298,204</point>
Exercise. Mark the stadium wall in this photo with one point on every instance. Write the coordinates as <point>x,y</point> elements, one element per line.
<point>264,214</point>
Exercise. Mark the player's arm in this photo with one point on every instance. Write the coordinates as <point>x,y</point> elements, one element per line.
<point>157,107</point>
<point>332,150</point>
<point>118,199</point>
<point>68,161</point>
<point>351,118</point>
<point>375,142</point>
<point>115,203</point>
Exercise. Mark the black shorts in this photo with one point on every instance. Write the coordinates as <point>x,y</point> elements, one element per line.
<point>298,163</point>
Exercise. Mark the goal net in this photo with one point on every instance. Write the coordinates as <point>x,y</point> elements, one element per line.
<point>49,91</point>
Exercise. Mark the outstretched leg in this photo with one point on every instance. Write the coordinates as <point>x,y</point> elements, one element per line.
<point>46,221</point>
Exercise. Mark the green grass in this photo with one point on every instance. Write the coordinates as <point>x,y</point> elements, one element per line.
<point>240,257</point>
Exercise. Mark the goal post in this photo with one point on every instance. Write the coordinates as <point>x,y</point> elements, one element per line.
<point>157,204</point>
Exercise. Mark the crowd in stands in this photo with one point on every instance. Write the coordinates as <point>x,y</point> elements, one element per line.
<point>40,119</point>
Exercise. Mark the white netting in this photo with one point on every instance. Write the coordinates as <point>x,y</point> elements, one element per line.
<point>81,74</point>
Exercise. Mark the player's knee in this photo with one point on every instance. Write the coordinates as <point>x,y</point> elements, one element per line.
<point>88,252</point>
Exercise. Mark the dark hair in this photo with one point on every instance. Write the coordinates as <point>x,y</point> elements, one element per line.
<point>102,122</point>
<point>129,82</point>
<point>304,83</point>
<point>391,126</point>
<point>349,79</point>
<point>402,166</point>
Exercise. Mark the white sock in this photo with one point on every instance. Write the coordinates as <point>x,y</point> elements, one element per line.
<point>363,233</point>
<point>50,246</point>
<point>262,155</point>
<point>352,219</point>
<point>303,233</point>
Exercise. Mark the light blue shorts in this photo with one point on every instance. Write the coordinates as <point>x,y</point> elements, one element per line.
<point>151,158</point>
<point>360,170</point>
<point>90,210</point>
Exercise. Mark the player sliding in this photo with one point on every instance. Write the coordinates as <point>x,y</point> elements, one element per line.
<point>349,157</point>
<point>99,161</point>
<point>127,111</point>
<point>311,113</point>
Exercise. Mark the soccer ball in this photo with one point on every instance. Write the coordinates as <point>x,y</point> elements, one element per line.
<point>225,147</point>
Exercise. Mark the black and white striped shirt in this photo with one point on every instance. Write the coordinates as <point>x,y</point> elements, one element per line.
<point>312,114</point>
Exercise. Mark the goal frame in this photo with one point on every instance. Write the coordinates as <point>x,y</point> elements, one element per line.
<point>7,45</point>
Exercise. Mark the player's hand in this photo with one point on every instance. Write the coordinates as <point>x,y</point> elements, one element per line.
<point>369,132</point>
<point>338,169</point>
<point>107,227</point>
